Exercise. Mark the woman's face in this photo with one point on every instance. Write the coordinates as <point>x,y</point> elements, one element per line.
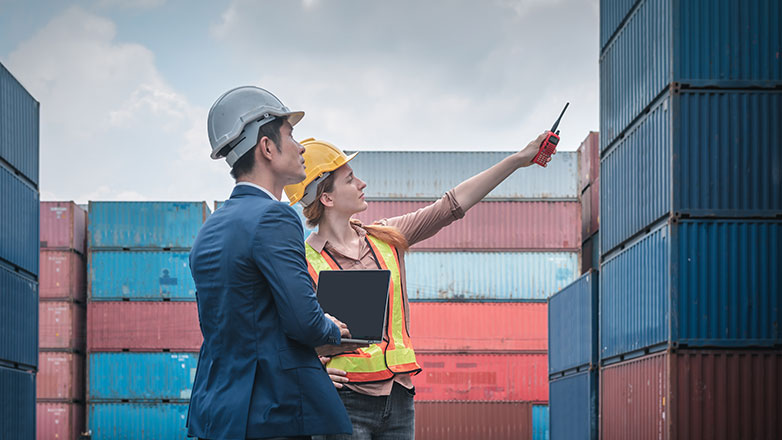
<point>347,195</point>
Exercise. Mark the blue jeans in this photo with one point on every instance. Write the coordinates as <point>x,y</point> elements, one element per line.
<point>378,417</point>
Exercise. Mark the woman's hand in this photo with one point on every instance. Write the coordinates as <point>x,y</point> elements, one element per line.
<point>531,150</point>
<point>338,377</point>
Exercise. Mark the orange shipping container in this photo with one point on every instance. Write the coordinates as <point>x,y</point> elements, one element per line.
<point>479,327</point>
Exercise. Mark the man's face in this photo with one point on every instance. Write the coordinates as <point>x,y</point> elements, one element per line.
<point>289,162</point>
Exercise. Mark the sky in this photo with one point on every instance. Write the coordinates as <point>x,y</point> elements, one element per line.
<point>125,86</point>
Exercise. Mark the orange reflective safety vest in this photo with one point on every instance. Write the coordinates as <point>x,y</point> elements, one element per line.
<point>394,355</point>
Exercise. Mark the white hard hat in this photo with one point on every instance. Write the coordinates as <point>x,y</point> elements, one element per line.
<point>236,116</point>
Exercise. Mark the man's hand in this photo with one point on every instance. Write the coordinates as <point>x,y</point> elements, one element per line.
<point>338,377</point>
<point>531,150</point>
<point>343,328</point>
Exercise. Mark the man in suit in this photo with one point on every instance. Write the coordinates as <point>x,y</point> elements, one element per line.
<point>258,374</point>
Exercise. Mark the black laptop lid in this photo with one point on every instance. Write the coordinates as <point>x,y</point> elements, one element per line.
<point>358,298</point>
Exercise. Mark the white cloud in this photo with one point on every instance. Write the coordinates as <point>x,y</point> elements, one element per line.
<point>131,4</point>
<point>111,125</point>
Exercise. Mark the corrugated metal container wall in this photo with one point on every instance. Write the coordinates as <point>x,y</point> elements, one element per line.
<point>468,376</point>
<point>19,217</point>
<point>60,376</point>
<point>574,406</point>
<point>145,224</point>
<point>137,421</point>
<point>540,426</point>
<point>473,420</point>
<point>589,157</point>
<point>297,207</point>
<point>415,175</point>
<point>590,209</point>
<point>140,275</point>
<point>720,278</point>
<point>62,275</point>
<point>488,275</point>
<point>19,121</point>
<point>612,14</point>
<point>63,226</point>
<point>573,325</point>
<point>59,420</point>
<point>476,327</point>
<point>724,394</point>
<point>18,318</point>
<point>17,406</point>
<point>590,253</point>
<point>141,376</point>
<point>62,325</point>
<point>674,160</point>
<point>143,326</point>
<point>717,43</point>
<point>495,225</point>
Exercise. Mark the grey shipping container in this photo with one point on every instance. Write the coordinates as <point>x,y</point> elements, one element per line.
<point>704,43</point>
<point>698,283</point>
<point>573,406</point>
<point>19,217</point>
<point>697,153</point>
<point>414,175</point>
<point>19,120</point>
<point>18,319</point>
<point>17,404</point>
<point>572,326</point>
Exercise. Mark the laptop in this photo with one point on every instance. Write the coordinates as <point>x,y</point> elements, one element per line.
<point>359,299</point>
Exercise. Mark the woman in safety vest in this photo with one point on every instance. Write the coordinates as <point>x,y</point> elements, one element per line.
<point>375,382</point>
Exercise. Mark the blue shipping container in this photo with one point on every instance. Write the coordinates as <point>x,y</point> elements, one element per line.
<point>137,421</point>
<point>693,283</point>
<point>417,175</point>
<point>573,406</point>
<point>487,276</point>
<point>612,15</point>
<point>19,121</point>
<point>17,404</point>
<point>117,225</point>
<point>573,325</point>
<point>140,376</point>
<point>140,275</point>
<point>19,217</point>
<point>540,423</point>
<point>299,211</point>
<point>690,156</point>
<point>714,43</point>
<point>18,319</point>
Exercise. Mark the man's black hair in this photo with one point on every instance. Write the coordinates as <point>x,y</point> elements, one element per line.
<point>246,163</point>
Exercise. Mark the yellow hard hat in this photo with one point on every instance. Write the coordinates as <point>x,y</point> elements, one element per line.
<point>320,159</point>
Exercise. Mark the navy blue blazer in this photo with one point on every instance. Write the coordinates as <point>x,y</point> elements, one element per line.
<point>258,374</point>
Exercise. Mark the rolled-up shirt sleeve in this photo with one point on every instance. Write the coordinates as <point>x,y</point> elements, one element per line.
<point>427,221</point>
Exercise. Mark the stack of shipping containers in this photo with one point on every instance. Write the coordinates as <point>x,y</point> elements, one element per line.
<point>143,334</point>
<point>478,289</point>
<point>18,257</point>
<point>691,213</point>
<point>589,190</point>
<point>62,317</point>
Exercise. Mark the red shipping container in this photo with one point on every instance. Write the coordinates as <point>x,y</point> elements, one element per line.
<point>482,377</point>
<point>60,376</point>
<point>589,157</point>
<point>473,420</point>
<point>61,325</point>
<point>62,275</point>
<point>63,226</point>
<point>495,225</point>
<point>143,326</point>
<point>590,209</point>
<point>689,394</point>
<point>475,327</point>
<point>59,420</point>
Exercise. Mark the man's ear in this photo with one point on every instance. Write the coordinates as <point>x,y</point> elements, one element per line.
<point>265,147</point>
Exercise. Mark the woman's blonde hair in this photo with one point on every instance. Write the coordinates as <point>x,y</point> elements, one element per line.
<point>389,234</point>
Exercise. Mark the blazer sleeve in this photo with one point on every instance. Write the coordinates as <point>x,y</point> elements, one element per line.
<point>278,250</point>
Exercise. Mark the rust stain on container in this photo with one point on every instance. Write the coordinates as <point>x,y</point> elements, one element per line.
<point>473,420</point>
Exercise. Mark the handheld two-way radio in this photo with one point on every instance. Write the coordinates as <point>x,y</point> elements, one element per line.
<point>549,145</point>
